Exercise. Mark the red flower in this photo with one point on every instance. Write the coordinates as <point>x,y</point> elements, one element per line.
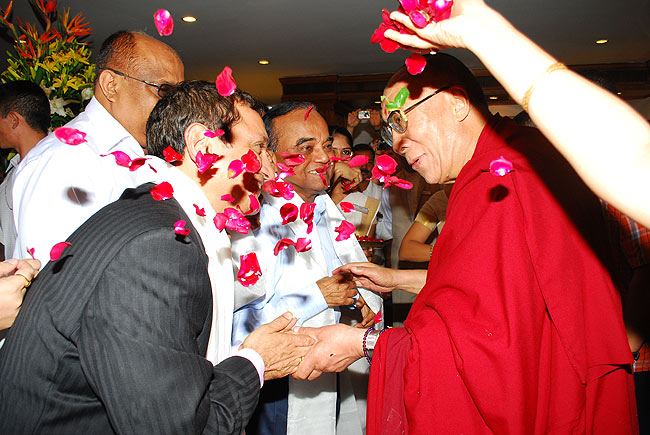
<point>179,228</point>
<point>164,22</point>
<point>70,136</point>
<point>347,207</point>
<point>50,6</point>
<point>199,211</point>
<point>415,64</point>
<point>226,85</point>
<point>205,161</point>
<point>289,213</point>
<point>171,156</point>
<point>249,270</point>
<point>57,250</point>
<point>358,161</point>
<point>500,167</point>
<point>162,191</point>
<point>345,230</point>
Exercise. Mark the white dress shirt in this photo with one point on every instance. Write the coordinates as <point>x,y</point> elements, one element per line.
<point>57,187</point>
<point>7,226</point>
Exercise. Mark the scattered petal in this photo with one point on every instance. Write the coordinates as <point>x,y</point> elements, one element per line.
<point>415,64</point>
<point>303,244</point>
<point>235,168</point>
<point>153,169</point>
<point>220,221</point>
<point>249,270</point>
<point>251,162</point>
<point>389,46</point>
<point>57,250</point>
<point>397,182</point>
<point>226,86</point>
<point>359,160</point>
<point>228,198</point>
<point>137,163</point>
<point>386,164</point>
<point>409,5</point>
<point>216,133</point>
<point>345,230</point>
<point>236,221</point>
<point>292,159</point>
<point>171,156</point>
<point>254,205</point>
<point>378,318</point>
<point>285,171</point>
<point>442,9</point>
<point>199,211</point>
<point>308,112</point>
<point>307,214</point>
<point>282,243</point>
<point>164,22</point>
<point>162,191</point>
<point>500,167</point>
<point>278,189</point>
<point>70,136</point>
<point>289,213</point>
<point>121,158</point>
<point>179,228</point>
<point>205,161</point>
<point>347,207</point>
<point>31,251</point>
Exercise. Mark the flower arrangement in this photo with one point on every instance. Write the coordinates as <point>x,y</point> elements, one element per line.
<point>56,59</point>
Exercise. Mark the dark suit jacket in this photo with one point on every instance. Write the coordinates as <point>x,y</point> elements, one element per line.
<point>112,337</point>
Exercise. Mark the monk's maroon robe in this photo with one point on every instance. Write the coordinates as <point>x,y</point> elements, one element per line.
<point>518,329</point>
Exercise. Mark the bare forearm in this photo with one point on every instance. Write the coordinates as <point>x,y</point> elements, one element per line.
<point>410,250</point>
<point>411,280</point>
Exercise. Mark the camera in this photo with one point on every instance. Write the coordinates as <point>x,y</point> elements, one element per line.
<point>364,114</point>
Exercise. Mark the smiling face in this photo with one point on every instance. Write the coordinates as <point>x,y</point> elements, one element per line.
<point>310,138</point>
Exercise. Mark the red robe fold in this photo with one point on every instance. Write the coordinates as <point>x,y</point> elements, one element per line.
<point>519,326</point>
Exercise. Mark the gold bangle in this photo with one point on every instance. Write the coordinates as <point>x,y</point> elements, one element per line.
<point>431,251</point>
<point>556,66</point>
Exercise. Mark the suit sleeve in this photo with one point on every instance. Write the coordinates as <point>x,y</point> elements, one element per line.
<point>138,344</point>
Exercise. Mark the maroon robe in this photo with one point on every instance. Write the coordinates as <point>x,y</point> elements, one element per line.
<point>518,328</point>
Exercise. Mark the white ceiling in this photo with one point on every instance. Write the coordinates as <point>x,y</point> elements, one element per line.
<point>333,37</point>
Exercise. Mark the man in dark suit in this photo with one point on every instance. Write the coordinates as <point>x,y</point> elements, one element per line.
<point>111,337</point>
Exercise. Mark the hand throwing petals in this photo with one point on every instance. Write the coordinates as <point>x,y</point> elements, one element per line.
<point>289,213</point>
<point>57,250</point>
<point>70,136</point>
<point>162,191</point>
<point>171,156</point>
<point>500,167</point>
<point>345,230</point>
<point>358,161</point>
<point>226,85</point>
<point>415,64</point>
<point>179,228</point>
<point>282,243</point>
<point>347,207</point>
<point>199,211</point>
<point>164,22</point>
<point>249,270</point>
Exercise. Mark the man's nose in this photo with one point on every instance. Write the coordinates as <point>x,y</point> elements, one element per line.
<point>321,155</point>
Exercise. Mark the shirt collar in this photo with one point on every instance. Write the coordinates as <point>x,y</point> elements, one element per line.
<point>109,132</point>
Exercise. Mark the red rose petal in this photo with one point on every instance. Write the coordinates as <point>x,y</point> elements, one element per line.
<point>228,198</point>
<point>205,161</point>
<point>347,207</point>
<point>164,22</point>
<point>358,161</point>
<point>137,163</point>
<point>389,46</point>
<point>31,251</point>
<point>172,156</point>
<point>289,213</point>
<point>249,270</point>
<point>162,191</point>
<point>216,133</point>
<point>303,244</point>
<point>199,211</point>
<point>415,64</point>
<point>57,250</point>
<point>179,228</point>
<point>500,167</point>
<point>308,112</point>
<point>409,5</point>
<point>251,162</point>
<point>345,230</point>
<point>282,243</point>
<point>292,159</point>
<point>70,136</point>
<point>226,85</point>
<point>220,221</point>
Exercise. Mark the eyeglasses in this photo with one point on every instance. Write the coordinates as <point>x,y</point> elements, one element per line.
<point>397,119</point>
<point>163,89</point>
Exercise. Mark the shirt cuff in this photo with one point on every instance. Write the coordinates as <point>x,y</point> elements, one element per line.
<point>254,358</point>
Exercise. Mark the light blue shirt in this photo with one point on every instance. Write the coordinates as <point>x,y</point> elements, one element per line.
<point>288,287</point>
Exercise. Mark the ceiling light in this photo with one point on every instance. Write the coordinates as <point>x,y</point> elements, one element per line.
<point>494,98</point>
<point>377,102</point>
<point>618,93</point>
<point>189,19</point>
<point>263,62</point>
<point>602,41</point>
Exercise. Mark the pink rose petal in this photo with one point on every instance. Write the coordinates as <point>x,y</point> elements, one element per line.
<point>164,22</point>
<point>31,251</point>
<point>220,221</point>
<point>162,191</point>
<point>303,244</point>
<point>205,161</point>
<point>386,164</point>
<point>282,243</point>
<point>307,214</point>
<point>285,171</point>
<point>226,86</point>
<point>378,318</point>
<point>236,221</point>
<point>57,250</point>
<point>179,228</point>
<point>199,211</point>
<point>409,5</point>
<point>308,112</point>
<point>292,159</point>
<point>347,207</point>
<point>500,167</point>
<point>254,204</point>
<point>249,270</point>
<point>415,64</point>
<point>228,198</point>
<point>251,162</point>
<point>235,168</point>
<point>171,156</point>
<point>121,158</point>
<point>153,169</point>
<point>289,213</point>
<point>345,230</point>
<point>419,19</point>
<point>442,9</point>
<point>70,136</point>
<point>389,46</point>
<point>278,189</point>
<point>359,160</point>
<point>216,133</point>
<point>397,182</point>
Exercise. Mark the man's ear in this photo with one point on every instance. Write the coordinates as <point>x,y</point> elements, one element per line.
<point>14,119</point>
<point>107,84</point>
<point>460,103</point>
<point>196,140</point>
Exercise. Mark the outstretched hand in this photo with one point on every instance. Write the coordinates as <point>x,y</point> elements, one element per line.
<point>370,276</point>
<point>15,277</point>
<point>281,349</point>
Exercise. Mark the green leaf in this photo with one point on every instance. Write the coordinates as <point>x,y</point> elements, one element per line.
<point>401,97</point>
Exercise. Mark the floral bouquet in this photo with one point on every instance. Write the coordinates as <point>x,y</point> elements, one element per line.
<point>55,59</point>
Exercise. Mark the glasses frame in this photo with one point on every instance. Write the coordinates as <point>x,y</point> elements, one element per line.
<point>162,88</point>
<point>391,124</point>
